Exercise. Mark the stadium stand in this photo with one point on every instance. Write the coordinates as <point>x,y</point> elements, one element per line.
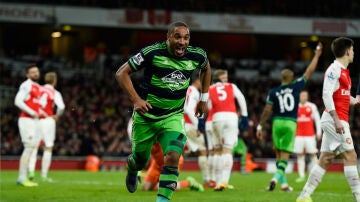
<point>305,8</point>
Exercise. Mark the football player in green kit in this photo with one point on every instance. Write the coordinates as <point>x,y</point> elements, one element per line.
<point>158,106</point>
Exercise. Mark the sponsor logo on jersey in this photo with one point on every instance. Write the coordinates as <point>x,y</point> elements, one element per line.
<point>345,92</point>
<point>303,118</point>
<point>138,59</point>
<point>348,140</point>
<point>174,80</point>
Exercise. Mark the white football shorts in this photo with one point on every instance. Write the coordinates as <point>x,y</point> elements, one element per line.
<point>194,142</point>
<point>226,133</point>
<point>333,142</point>
<point>48,131</point>
<point>305,144</point>
<point>29,131</point>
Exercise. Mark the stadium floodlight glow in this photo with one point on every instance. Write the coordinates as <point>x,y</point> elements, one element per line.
<point>56,34</point>
<point>66,27</point>
<point>303,44</point>
<point>314,38</point>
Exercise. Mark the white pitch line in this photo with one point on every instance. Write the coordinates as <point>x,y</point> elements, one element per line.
<point>315,193</point>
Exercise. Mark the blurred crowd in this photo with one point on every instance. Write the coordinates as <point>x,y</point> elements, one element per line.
<point>305,8</point>
<point>97,111</point>
<point>94,121</point>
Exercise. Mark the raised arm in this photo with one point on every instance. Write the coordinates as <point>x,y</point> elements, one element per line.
<point>313,64</point>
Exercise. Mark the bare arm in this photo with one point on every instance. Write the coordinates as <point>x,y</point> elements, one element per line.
<point>205,77</point>
<point>353,101</point>
<point>313,64</point>
<point>123,78</point>
<point>338,126</point>
<point>264,117</point>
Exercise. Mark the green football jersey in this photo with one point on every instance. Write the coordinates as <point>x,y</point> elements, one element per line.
<point>166,77</point>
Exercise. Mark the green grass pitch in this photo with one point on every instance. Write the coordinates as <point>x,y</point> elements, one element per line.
<point>109,186</point>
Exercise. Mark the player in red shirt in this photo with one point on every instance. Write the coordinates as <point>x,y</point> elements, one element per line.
<point>336,140</point>
<point>210,148</point>
<point>195,138</point>
<point>308,118</point>
<point>27,100</point>
<point>50,98</point>
<point>225,124</point>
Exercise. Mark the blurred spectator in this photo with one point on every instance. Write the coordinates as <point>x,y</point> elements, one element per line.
<point>95,120</point>
<point>321,8</point>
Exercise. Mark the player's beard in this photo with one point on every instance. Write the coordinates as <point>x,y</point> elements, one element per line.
<point>34,79</point>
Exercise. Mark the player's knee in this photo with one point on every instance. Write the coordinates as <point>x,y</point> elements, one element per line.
<point>48,149</point>
<point>137,161</point>
<point>172,158</point>
<point>326,160</point>
<point>351,157</point>
<point>147,186</point>
<point>227,149</point>
<point>202,153</point>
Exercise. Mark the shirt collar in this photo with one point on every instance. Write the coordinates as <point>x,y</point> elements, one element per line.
<point>337,63</point>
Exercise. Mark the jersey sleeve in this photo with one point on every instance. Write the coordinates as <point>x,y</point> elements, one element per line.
<point>189,109</point>
<point>240,98</point>
<point>139,60</point>
<point>59,102</point>
<point>300,82</point>
<point>20,98</point>
<point>201,56</point>
<point>316,117</point>
<point>204,60</point>
<point>270,98</point>
<point>331,79</point>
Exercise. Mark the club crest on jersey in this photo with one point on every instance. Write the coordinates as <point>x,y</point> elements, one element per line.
<point>138,59</point>
<point>174,80</point>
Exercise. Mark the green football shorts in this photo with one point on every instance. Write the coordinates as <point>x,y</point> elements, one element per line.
<point>283,134</point>
<point>169,132</point>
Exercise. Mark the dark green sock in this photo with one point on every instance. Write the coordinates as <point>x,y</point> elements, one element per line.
<point>168,181</point>
<point>281,170</point>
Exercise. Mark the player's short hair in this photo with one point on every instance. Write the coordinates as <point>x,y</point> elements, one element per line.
<point>340,45</point>
<point>29,66</point>
<point>173,25</point>
<point>219,72</point>
<point>286,74</point>
<point>50,77</point>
